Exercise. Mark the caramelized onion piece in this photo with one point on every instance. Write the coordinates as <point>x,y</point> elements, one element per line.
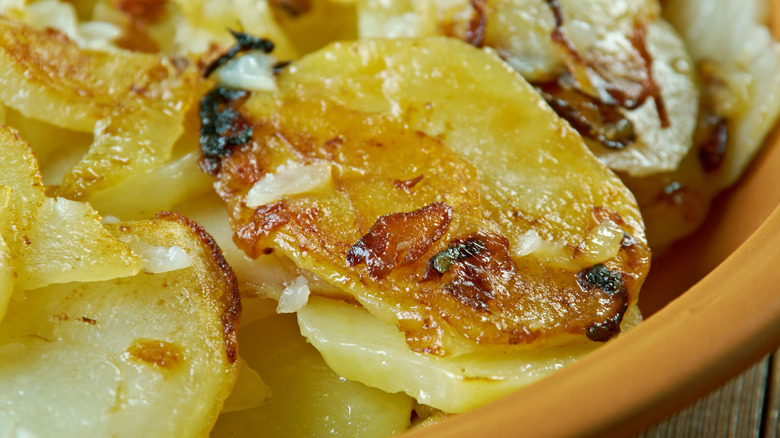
<point>400,239</point>
<point>628,86</point>
<point>591,117</point>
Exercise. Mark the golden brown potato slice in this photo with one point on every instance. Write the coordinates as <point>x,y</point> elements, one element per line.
<point>53,240</point>
<point>435,187</point>
<point>149,355</point>
<point>133,103</point>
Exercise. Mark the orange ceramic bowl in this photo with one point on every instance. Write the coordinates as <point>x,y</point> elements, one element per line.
<point>712,305</point>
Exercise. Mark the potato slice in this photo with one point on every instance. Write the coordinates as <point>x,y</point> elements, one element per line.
<point>440,157</point>
<point>54,240</point>
<point>307,398</point>
<point>602,59</point>
<point>153,354</point>
<point>7,271</point>
<point>144,194</point>
<point>735,37</point>
<point>133,103</point>
<point>362,348</point>
<point>195,26</point>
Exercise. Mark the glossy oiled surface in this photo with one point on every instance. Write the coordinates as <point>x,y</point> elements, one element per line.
<point>727,316</point>
<point>404,195</point>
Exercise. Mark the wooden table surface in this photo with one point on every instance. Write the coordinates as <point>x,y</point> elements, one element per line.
<point>746,406</point>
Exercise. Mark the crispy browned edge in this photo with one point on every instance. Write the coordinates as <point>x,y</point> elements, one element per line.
<point>231,314</point>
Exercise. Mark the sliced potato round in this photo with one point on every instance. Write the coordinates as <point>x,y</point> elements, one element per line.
<point>153,354</point>
<point>437,152</point>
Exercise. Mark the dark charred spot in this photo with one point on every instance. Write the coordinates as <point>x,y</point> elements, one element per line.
<point>294,8</point>
<point>399,239</point>
<point>222,126</point>
<point>475,34</point>
<point>244,43</point>
<point>591,117</point>
<point>86,320</point>
<point>407,185</point>
<point>267,251</point>
<point>600,277</point>
<point>611,283</point>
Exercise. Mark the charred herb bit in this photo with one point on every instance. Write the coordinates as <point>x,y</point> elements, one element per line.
<point>591,117</point>
<point>399,239</point>
<point>458,251</point>
<point>222,127</point>
<point>244,43</point>
<point>600,277</point>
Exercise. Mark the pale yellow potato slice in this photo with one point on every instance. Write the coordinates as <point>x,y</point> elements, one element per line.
<point>194,26</point>
<point>133,103</point>
<point>307,398</point>
<point>53,240</point>
<point>429,144</point>
<point>360,347</point>
<point>149,355</point>
<point>312,24</point>
<point>7,271</point>
<point>144,194</point>
<point>734,34</point>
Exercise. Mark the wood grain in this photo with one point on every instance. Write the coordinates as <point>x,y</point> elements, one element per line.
<point>746,406</point>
